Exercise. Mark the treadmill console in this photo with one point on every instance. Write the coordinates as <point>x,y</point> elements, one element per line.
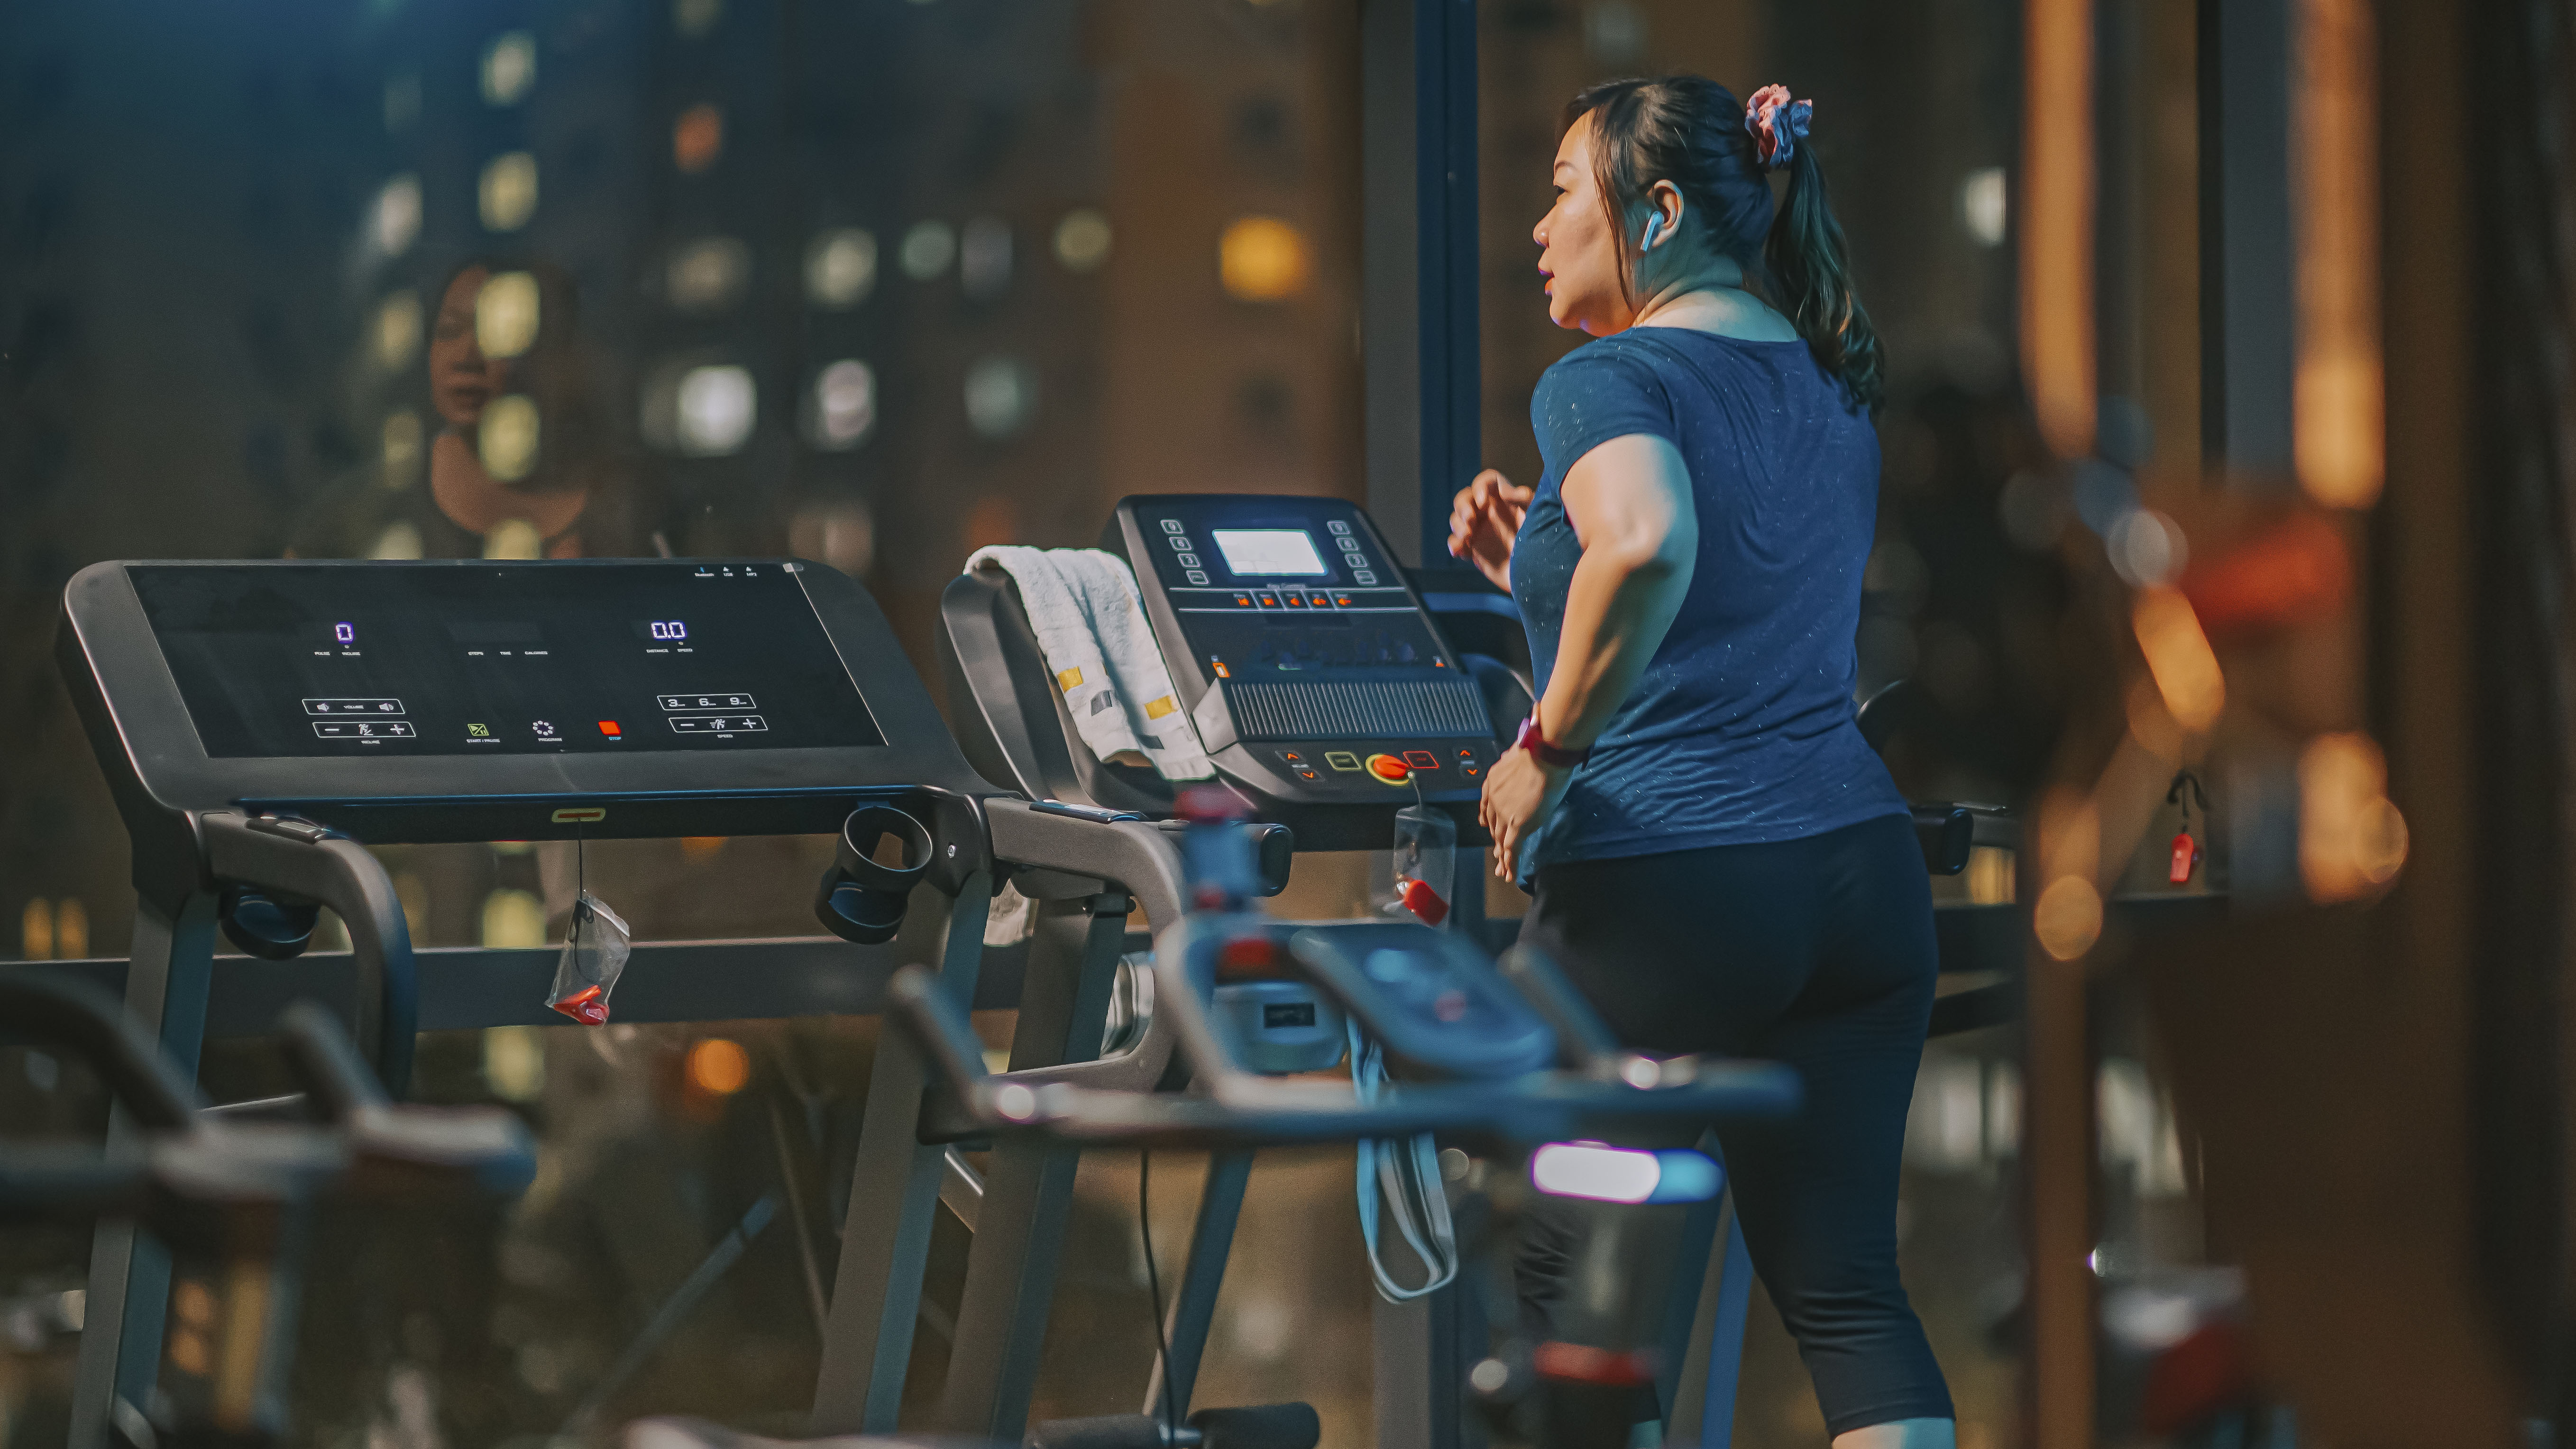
<point>628,659</point>
<point>1312,669</point>
<point>484,700</point>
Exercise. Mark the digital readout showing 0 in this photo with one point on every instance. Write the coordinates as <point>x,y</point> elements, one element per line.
<point>501,658</point>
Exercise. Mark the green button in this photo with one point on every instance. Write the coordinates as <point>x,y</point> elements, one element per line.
<point>1342,760</point>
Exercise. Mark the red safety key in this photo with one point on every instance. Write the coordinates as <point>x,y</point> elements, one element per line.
<point>2186,854</point>
<point>589,1006</point>
<point>1425,902</point>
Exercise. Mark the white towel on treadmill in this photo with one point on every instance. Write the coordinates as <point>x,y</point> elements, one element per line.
<point>1091,626</point>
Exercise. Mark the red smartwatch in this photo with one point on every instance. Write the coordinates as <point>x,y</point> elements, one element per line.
<point>1546,754</point>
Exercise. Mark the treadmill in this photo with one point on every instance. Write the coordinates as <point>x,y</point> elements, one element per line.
<point>260,723</point>
<point>1323,686</point>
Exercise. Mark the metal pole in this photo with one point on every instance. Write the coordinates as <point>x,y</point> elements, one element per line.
<point>894,1196</point>
<point>129,1270</point>
<point>1028,1186</point>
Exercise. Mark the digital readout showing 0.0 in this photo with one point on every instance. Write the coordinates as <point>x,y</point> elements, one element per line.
<point>503,658</point>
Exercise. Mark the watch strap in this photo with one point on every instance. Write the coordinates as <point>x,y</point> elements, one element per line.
<point>1547,754</point>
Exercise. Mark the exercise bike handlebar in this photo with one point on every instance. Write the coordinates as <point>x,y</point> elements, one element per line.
<point>304,860</point>
<point>86,1023</point>
<point>1231,1108</point>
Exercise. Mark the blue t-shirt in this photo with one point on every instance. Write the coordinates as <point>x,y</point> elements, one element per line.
<point>1742,728</point>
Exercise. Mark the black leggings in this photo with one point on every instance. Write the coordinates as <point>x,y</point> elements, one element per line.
<point>1817,953</point>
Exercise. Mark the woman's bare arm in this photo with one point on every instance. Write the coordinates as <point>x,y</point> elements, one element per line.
<point>1630,503</point>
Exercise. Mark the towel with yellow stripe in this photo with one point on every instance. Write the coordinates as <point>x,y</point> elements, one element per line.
<point>1090,623</point>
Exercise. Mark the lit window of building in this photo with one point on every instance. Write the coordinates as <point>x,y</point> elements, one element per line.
<point>1001,396</point>
<point>841,268</point>
<point>984,258</point>
<point>928,249</point>
<point>506,314</point>
<point>506,436</point>
<point>1264,259</point>
<point>697,138</point>
<point>843,407</point>
<point>402,102</point>
<point>1984,203</point>
<point>696,17</point>
<point>397,330</point>
<point>841,532</point>
<point>707,275</point>
<point>509,68</point>
<point>716,407</point>
<point>507,195</point>
<point>1082,240</point>
<point>393,223</point>
<point>399,447</point>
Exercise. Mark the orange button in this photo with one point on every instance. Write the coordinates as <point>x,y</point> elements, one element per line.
<point>1390,769</point>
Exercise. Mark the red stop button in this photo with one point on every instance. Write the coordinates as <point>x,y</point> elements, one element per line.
<point>1389,768</point>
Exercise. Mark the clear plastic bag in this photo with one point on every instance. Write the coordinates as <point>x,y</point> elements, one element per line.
<point>1426,865</point>
<point>594,955</point>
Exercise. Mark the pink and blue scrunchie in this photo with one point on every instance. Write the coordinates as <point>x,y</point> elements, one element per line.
<point>1777,124</point>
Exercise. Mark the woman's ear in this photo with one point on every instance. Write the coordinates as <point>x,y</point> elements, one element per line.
<point>1665,217</point>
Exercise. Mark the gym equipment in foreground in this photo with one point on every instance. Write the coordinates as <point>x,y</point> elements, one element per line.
<point>233,1196</point>
<point>261,724</point>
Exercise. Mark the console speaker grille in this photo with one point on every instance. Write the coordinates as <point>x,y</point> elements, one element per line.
<point>1414,709</point>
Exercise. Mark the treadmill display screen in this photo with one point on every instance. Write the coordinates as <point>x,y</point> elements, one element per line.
<point>512,658</point>
<point>1283,552</point>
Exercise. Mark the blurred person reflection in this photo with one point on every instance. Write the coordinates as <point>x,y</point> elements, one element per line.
<point>521,465</point>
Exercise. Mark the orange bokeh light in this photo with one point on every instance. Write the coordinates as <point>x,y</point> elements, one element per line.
<point>697,138</point>
<point>719,1066</point>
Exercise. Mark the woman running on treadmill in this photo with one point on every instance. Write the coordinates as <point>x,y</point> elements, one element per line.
<point>1717,857</point>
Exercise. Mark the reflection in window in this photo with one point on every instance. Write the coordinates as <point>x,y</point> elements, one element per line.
<point>507,195</point>
<point>509,68</point>
<point>844,406</point>
<point>841,268</point>
<point>984,258</point>
<point>697,138</point>
<point>714,410</point>
<point>397,330</point>
<point>506,315</point>
<point>1082,240</point>
<point>927,250</point>
<point>394,222</point>
<point>1001,396</point>
<point>708,275</point>
<point>1263,259</point>
<point>507,437</point>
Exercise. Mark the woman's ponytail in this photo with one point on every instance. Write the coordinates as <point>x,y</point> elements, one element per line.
<point>1808,263</point>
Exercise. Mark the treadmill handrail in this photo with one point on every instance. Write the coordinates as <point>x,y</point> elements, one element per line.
<point>1129,854</point>
<point>344,876</point>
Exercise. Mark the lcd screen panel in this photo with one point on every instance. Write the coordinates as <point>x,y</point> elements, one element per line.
<point>463,659</point>
<point>1284,552</point>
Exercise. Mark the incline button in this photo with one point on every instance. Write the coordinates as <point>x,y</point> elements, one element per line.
<point>1390,769</point>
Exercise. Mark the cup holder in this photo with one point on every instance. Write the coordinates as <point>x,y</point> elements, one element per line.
<point>269,927</point>
<point>861,899</point>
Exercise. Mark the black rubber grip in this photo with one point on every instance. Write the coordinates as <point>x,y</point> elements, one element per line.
<point>1260,1426</point>
<point>1108,1431</point>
